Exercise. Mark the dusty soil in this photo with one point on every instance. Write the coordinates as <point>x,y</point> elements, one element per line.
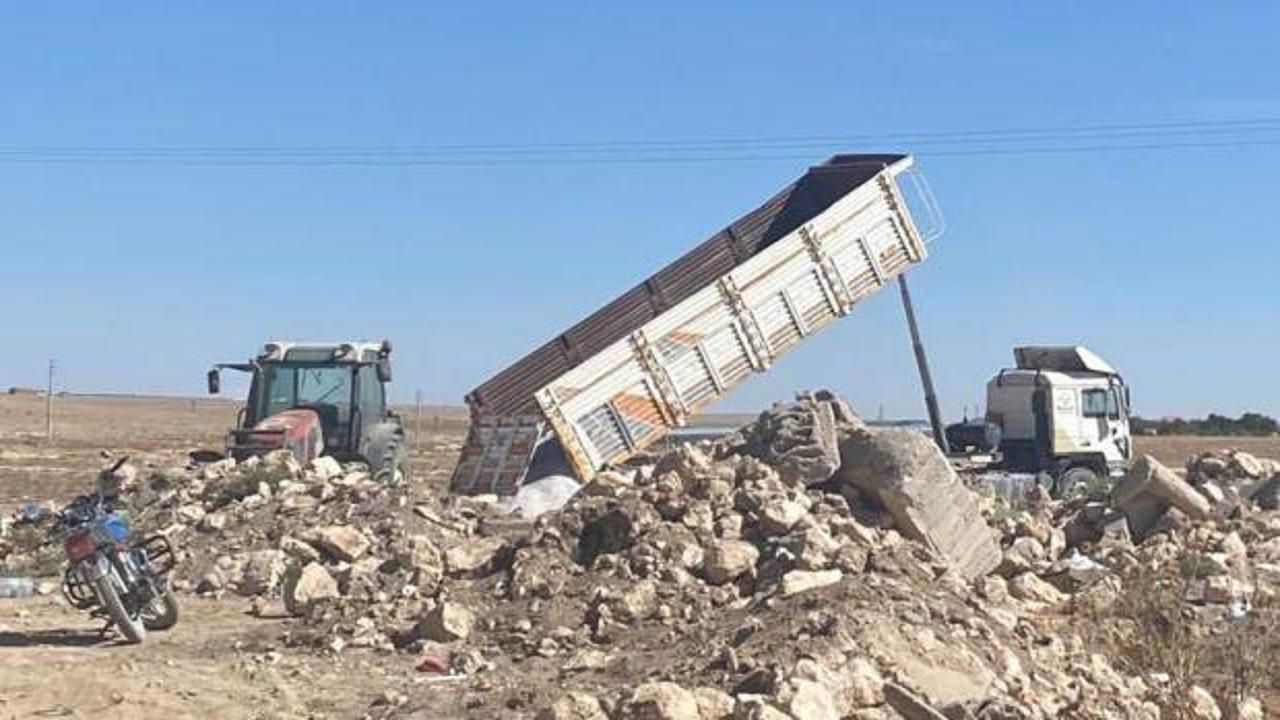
<point>218,662</point>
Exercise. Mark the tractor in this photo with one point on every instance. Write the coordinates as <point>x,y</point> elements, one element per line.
<point>319,399</point>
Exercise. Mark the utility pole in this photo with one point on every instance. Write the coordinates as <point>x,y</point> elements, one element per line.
<point>48,404</point>
<point>930,397</point>
<point>417,419</point>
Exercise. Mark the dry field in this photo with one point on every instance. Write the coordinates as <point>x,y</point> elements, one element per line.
<point>1174,451</point>
<point>151,429</point>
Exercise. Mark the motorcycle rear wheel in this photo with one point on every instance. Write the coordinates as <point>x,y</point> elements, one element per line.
<point>167,604</point>
<point>132,628</point>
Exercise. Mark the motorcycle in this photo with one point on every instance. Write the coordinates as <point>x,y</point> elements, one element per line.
<point>112,577</point>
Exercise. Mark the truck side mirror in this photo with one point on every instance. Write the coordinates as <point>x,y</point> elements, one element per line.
<point>384,369</point>
<point>214,381</point>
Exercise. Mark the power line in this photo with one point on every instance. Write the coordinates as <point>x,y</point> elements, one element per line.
<point>462,162</point>
<point>1259,124</point>
<point>1241,132</point>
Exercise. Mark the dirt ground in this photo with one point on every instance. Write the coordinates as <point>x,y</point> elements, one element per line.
<point>218,662</point>
<point>221,662</point>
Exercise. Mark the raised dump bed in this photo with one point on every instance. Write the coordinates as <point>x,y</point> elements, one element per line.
<point>618,381</point>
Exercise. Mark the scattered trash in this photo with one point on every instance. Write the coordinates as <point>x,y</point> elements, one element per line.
<point>17,587</point>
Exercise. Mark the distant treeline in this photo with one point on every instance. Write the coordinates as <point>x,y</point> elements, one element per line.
<point>1247,424</point>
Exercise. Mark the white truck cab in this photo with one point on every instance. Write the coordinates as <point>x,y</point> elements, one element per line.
<point>1063,411</point>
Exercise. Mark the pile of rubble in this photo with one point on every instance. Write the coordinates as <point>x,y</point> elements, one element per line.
<point>1180,563</point>
<point>806,567</point>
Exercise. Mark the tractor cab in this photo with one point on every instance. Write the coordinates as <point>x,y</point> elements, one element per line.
<point>316,399</point>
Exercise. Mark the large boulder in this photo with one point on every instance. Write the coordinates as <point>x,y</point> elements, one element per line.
<point>800,439</point>
<point>907,474</point>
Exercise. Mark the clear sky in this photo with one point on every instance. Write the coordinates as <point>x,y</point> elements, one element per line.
<point>136,275</point>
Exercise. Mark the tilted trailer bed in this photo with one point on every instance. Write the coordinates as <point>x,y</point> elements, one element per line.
<point>618,381</point>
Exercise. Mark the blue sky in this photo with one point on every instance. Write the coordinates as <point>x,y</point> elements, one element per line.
<point>136,276</point>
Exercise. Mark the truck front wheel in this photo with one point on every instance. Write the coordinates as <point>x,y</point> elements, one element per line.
<point>1075,479</point>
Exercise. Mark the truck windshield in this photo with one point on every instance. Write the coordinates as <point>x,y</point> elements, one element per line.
<point>287,386</point>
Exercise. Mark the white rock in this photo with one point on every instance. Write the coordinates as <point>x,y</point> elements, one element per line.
<point>474,557</point>
<point>1250,709</point>
<point>1028,586</point>
<point>262,572</point>
<point>866,685</point>
<point>812,701</point>
<point>800,581</point>
<point>313,583</point>
<point>778,515</point>
<point>447,622</point>
<point>726,560</point>
<point>213,522</point>
<point>325,468</point>
<point>574,706</point>
<point>662,701</point>
<point>713,704</point>
<point>343,542</point>
<point>1201,704</point>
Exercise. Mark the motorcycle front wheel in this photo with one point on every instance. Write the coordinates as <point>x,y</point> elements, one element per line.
<point>132,628</point>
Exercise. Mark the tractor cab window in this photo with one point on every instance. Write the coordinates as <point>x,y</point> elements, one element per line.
<point>373,402</point>
<point>1093,403</point>
<point>1113,404</point>
<point>325,389</point>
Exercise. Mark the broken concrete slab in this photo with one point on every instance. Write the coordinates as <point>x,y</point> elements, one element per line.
<point>1149,489</point>
<point>907,474</point>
